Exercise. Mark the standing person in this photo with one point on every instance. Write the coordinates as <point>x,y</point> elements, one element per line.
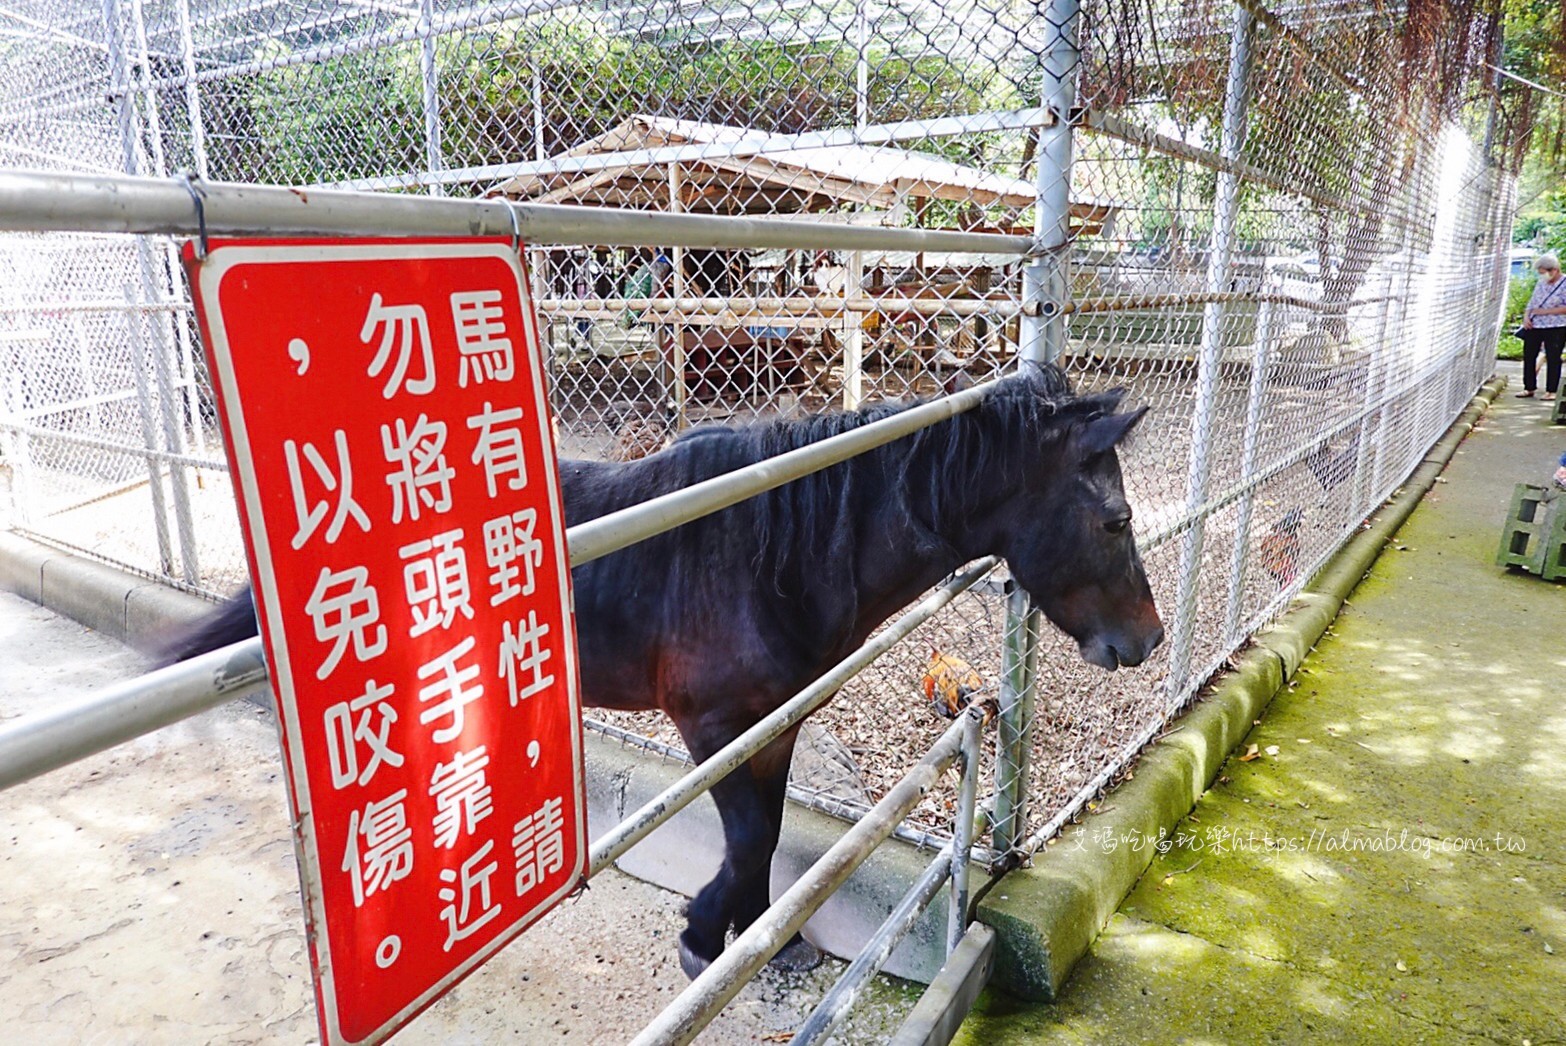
<point>1544,327</point>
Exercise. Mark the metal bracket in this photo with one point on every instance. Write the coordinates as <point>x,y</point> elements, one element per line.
<point>516,229</point>
<point>198,197</point>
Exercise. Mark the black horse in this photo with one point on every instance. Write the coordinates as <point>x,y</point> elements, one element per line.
<point>720,621</point>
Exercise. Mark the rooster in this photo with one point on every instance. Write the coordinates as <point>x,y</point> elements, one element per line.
<point>1331,467</point>
<point>950,684</point>
<point>640,435</point>
<point>1280,548</point>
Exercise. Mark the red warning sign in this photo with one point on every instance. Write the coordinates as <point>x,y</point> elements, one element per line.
<point>391,444</point>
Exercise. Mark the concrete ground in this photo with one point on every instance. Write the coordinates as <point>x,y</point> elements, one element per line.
<point>1387,866</point>
<point>149,896</point>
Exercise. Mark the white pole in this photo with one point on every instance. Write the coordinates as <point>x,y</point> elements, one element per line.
<point>1210,356</point>
<point>429,80</point>
<point>1046,279</point>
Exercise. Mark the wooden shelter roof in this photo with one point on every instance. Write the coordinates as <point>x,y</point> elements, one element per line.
<point>757,181</point>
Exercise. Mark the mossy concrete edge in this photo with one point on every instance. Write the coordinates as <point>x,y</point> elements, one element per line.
<point>1047,915</point>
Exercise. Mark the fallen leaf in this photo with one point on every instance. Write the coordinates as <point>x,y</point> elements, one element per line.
<point>1271,749</point>
<point>1251,752</point>
<point>1400,967</point>
<point>1302,740</point>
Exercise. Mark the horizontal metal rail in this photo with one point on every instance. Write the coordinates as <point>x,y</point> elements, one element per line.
<point>1132,302</point>
<point>599,537</point>
<point>829,305</point>
<point>835,1005</point>
<point>753,309</point>
<point>42,201</point>
<point>48,740</point>
<point>633,829</point>
<point>1118,127</point>
<point>111,446</point>
<point>700,1002</point>
<point>110,305</point>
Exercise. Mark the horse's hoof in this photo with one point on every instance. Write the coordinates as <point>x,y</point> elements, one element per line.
<point>692,963</point>
<point>797,956</point>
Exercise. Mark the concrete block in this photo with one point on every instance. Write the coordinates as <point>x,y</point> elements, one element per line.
<point>21,566</point>
<point>1534,531</point>
<point>684,853</point>
<point>155,613</point>
<point>86,592</point>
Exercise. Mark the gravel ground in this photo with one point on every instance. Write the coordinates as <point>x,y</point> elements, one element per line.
<point>150,897</point>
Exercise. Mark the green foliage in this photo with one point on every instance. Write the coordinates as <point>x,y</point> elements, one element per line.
<point>1542,223</point>
<point>1518,290</point>
<point>348,117</point>
<point>360,115</point>
<point>1533,46</point>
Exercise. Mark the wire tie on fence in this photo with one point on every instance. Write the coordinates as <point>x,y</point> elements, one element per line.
<point>516,229</point>
<point>198,197</point>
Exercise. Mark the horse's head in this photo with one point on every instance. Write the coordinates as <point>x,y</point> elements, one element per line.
<point>1068,538</point>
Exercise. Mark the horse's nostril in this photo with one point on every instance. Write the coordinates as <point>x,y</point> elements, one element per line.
<point>1158,638</point>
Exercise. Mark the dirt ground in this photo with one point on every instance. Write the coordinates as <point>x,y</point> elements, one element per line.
<point>150,896</point>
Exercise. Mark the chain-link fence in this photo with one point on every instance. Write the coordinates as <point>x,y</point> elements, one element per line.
<point>1282,229</point>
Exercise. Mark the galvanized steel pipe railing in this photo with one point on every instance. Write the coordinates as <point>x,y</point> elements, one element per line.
<point>137,699</point>
<point>49,740</point>
<point>700,1002</point>
<point>42,201</point>
<point>731,756</point>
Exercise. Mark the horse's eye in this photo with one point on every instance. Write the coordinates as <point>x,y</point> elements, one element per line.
<point>1119,525</point>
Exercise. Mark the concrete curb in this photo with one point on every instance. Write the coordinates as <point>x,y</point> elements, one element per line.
<point>140,613</point>
<point>1046,916</point>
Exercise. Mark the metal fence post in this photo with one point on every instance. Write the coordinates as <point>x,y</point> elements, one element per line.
<point>154,280</point>
<point>1405,283</point>
<point>962,830</point>
<point>13,403</point>
<point>1046,278</point>
<point>429,81</point>
<point>1225,207</point>
<point>1014,724</point>
<point>149,438</point>
<point>198,131</point>
<point>1363,489</point>
<point>854,336</point>
<point>1250,450</point>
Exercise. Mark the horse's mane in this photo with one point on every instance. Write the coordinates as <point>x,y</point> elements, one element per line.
<point>933,475</point>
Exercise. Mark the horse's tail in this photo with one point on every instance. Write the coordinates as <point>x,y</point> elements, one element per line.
<point>233,621</point>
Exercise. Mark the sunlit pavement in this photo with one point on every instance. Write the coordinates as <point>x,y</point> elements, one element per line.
<point>1388,867</point>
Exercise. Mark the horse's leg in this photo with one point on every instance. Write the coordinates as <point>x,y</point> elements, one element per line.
<point>769,769</point>
<point>745,830</point>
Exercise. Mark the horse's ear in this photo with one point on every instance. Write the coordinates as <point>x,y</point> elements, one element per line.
<point>1105,431</point>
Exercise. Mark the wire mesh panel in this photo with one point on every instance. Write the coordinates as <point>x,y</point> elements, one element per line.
<point>1285,242</point>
